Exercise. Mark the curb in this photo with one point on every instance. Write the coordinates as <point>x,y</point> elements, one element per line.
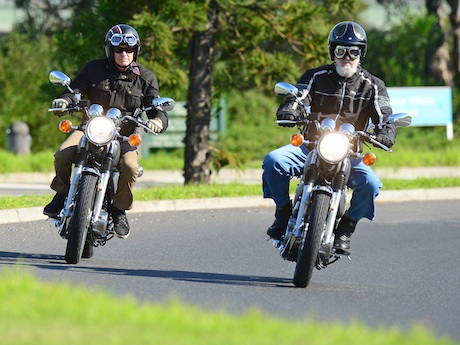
<point>435,194</point>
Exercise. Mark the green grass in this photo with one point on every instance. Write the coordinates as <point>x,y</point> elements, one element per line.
<point>34,312</point>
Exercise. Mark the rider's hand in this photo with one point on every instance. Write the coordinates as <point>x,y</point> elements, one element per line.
<point>155,125</point>
<point>59,103</point>
<point>286,116</point>
<point>384,139</point>
<point>287,111</point>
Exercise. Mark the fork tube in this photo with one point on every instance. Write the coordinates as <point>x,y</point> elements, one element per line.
<point>103,182</point>
<point>310,177</point>
<point>307,188</point>
<point>79,163</point>
<point>332,214</point>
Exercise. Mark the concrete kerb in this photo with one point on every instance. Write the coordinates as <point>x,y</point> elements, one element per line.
<point>35,213</point>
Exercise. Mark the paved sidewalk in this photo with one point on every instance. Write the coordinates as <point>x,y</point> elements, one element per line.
<point>152,178</point>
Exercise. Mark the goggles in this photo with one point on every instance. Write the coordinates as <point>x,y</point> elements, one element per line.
<point>129,39</point>
<point>353,52</point>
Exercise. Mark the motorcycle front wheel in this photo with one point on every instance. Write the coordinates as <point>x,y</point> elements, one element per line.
<point>81,218</point>
<point>308,253</point>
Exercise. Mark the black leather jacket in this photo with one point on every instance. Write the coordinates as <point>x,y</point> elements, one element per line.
<point>101,83</point>
<point>354,100</point>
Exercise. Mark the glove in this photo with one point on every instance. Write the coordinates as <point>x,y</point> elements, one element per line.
<point>59,103</point>
<point>285,116</point>
<point>384,139</point>
<point>155,125</point>
<point>286,111</point>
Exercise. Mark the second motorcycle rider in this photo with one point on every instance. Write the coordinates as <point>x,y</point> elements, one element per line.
<point>346,92</point>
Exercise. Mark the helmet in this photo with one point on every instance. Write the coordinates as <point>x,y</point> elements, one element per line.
<point>347,34</point>
<point>118,34</point>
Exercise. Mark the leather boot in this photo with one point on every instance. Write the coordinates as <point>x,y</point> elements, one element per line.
<point>278,228</point>
<point>343,234</point>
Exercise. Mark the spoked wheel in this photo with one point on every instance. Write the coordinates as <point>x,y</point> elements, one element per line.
<point>308,252</point>
<point>81,219</point>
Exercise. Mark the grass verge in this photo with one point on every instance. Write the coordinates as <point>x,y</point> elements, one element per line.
<point>176,192</point>
<point>43,313</point>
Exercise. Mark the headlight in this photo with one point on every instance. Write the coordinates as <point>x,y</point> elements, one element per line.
<point>333,147</point>
<point>100,130</point>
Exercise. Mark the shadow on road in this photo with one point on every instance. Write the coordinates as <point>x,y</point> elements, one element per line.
<point>56,262</point>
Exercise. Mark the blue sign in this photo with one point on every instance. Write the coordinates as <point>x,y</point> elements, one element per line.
<point>428,106</point>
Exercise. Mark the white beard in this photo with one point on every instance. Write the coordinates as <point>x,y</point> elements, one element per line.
<point>346,71</point>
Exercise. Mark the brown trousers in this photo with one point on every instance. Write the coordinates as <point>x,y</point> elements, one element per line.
<point>128,168</point>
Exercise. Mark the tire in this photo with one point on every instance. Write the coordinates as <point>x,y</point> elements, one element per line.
<point>81,219</point>
<point>88,251</point>
<point>308,253</point>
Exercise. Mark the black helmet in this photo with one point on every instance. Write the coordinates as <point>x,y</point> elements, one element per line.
<point>347,34</point>
<point>118,34</point>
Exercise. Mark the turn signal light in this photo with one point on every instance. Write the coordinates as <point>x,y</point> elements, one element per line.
<point>369,158</point>
<point>134,140</point>
<point>297,139</point>
<point>65,126</point>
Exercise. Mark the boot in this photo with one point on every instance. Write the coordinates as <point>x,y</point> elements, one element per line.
<point>53,209</point>
<point>278,228</point>
<point>343,234</point>
<point>120,222</point>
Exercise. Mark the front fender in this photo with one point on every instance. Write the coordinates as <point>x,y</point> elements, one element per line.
<point>91,171</point>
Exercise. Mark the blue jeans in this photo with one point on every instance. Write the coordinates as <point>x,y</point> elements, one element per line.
<point>282,164</point>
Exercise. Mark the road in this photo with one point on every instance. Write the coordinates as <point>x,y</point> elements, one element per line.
<point>404,268</point>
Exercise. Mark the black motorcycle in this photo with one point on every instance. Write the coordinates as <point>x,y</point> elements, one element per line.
<point>320,196</point>
<point>86,221</point>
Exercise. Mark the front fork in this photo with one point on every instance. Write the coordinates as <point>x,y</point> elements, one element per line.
<point>337,195</point>
<point>99,220</point>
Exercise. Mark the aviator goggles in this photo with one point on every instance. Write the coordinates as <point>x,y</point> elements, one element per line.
<point>129,39</point>
<point>341,51</point>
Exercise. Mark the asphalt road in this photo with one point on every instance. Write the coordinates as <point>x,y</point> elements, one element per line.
<point>404,268</point>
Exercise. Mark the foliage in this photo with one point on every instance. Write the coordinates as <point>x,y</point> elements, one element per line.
<point>402,55</point>
<point>25,88</point>
<point>247,64</point>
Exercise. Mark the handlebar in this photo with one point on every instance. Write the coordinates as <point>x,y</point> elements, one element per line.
<point>140,124</point>
<point>68,110</point>
<point>370,138</point>
<point>300,122</point>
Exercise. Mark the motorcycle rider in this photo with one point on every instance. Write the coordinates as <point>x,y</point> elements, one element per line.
<point>118,81</point>
<point>346,92</point>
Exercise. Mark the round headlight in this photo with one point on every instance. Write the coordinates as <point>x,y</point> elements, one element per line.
<point>333,147</point>
<point>100,130</point>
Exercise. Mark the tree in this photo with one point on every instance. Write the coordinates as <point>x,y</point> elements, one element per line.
<point>201,48</point>
<point>445,64</point>
<point>251,44</point>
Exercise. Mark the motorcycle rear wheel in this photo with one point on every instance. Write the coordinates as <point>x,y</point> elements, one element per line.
<point>81,219</point>
<point>308,253</point>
